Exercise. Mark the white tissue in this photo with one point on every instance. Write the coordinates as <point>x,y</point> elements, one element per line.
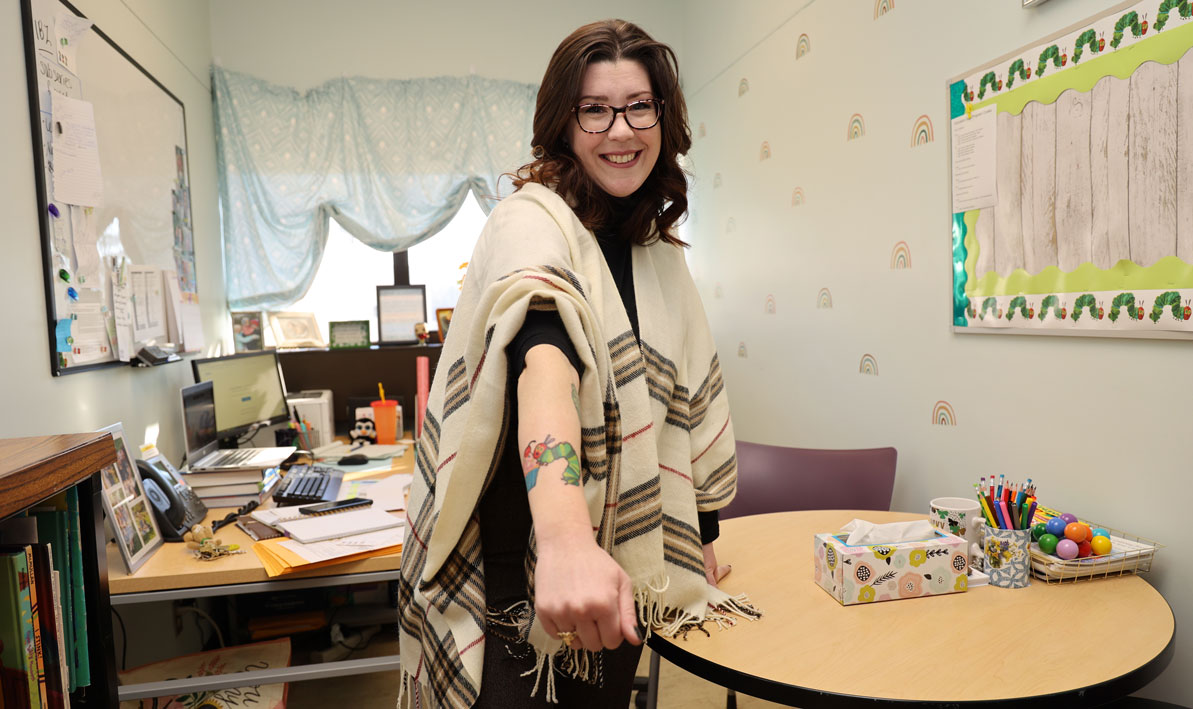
<point>862,532</point>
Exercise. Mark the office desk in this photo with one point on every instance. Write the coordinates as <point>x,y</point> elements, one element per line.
<point>1074,644</point>
<point>172,573</point>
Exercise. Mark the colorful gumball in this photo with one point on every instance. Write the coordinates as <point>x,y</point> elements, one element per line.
<point>1084,549</point>
<point>1100,532</point>
<point>1038,530</point>
<point>1066,549</point>
<point>1056,527</point>
<point>1101,545</point>
<point>1076,531</point>
<point>1048,543</point>
<point>1069,518</point>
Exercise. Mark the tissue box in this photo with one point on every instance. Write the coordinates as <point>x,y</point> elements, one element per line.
<point>863,574</point>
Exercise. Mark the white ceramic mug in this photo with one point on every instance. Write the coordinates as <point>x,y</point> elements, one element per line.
<point>961,517</point>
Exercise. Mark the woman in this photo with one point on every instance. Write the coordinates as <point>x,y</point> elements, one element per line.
<point>577,441</point>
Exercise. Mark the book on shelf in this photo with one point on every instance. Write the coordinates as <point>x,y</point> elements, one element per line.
<point>18,656</point>
<point>57,522</point>
<point>199,480</point>
<point>48,612</point>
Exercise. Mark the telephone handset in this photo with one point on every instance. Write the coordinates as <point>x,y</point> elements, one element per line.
<point>176,507</point>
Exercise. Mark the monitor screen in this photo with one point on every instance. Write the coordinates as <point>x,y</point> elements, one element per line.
<point>198,417</point>
<point>248,390</point>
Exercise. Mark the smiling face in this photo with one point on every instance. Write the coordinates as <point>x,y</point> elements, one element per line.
<point>621,158</point>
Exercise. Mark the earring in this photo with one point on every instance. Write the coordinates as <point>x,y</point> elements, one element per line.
<point>538,152</point>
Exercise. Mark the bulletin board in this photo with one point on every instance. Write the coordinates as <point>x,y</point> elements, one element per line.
<point>1072,180</point>
<point>113,189</point>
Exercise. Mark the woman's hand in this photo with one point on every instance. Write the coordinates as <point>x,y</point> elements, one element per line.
<point>580,588</point>
<point>712,571</point>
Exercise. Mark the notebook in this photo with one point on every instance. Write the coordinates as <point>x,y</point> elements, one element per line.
<point>203,452</point>
<point>308,529</point>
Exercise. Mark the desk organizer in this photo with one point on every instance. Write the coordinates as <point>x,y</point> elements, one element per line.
<point>1129,554</point>
<point>883,572</point>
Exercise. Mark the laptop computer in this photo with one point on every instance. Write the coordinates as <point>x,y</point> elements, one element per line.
<point>203,452</point>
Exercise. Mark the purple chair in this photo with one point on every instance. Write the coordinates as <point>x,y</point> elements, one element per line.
<point>783,479</point>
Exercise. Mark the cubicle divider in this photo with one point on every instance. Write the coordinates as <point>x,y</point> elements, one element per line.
<point>355,373</point>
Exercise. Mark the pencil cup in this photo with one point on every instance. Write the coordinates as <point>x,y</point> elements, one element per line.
<point>385,419</point>
<point>1008,560</point>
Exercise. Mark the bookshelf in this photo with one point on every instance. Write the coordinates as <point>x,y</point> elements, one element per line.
<point>36,468</point>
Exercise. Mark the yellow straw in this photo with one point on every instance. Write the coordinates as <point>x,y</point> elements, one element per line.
<point>381,390</point>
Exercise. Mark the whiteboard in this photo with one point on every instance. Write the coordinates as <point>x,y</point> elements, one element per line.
<point>91,254</point>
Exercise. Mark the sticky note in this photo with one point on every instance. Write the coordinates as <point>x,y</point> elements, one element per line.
<point>62,335</point>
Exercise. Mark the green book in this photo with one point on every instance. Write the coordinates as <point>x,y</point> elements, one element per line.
<point>81,659</point>
<point>19,654</point>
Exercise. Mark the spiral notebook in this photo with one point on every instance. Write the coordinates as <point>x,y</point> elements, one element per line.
<point>308,529</point>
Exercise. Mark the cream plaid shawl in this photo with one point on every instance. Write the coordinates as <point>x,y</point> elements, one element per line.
<point>657,443</point>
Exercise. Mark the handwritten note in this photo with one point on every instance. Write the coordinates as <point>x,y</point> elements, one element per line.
<point>77,176</point>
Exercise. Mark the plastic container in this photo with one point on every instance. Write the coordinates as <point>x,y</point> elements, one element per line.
<point>385,420</point>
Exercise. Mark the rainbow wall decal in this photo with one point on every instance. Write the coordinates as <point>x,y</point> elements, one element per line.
<point>881,7</point>
<point>921,132</point>
<point>764,153</point>
<point>743,87</point>
<point>803,46</point>
<point>824,299</point>
<point>857,127</point>
<point>770,304</point>
<point>900,256</point>
<point>700,132</point>
<point>741,350</point>
<point>797,197</point>
<point>868,365</point>
<point>730,225</point>
<point>716,180</point>
<point>942,414</point>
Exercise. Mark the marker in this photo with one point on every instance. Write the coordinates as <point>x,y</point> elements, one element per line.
<point>1005,514</point>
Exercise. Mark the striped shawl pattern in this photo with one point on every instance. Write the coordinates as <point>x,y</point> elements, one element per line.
<point>656,444</point>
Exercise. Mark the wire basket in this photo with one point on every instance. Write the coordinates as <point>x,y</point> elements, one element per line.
<point>1129,554</point>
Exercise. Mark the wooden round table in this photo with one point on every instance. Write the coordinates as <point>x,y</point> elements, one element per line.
<point>1072,644</point>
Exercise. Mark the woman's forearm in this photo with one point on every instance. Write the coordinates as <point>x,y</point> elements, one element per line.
<point>549,438</point>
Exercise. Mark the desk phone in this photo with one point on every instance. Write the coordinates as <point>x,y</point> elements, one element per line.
<point>175,505</point>
<point>305,484</point>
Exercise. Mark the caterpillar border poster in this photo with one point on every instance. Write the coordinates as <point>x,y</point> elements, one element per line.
<point>1072,180</point>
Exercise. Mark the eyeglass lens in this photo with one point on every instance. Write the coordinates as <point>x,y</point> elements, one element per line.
<point>598,118</point>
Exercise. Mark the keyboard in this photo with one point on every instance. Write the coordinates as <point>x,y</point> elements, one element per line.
<point>306,484</point>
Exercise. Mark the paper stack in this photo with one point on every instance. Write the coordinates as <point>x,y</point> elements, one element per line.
<point>282,556</point>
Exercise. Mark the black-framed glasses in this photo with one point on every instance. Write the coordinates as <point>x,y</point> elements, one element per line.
<point>639,115</point>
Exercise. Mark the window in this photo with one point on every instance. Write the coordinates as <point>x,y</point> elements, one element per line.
<point>345,287</point>
<point>436,262</point>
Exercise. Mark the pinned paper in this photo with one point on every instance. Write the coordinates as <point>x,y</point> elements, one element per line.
<point>77,176</point>
<point>70,30</point>
<point>62,338</point>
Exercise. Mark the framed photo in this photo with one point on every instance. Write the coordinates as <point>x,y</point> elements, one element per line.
<point>444,316</point>
<point>399,308</point>
<point>296,330</point>
<point>247,332</point>
<point>128,510</point>
<point>347,334</point>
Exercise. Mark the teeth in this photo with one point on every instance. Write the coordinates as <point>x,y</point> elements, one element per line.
<point>621,159</point>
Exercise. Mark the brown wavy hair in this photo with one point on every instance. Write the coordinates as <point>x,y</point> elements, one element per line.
<point>661,201</point>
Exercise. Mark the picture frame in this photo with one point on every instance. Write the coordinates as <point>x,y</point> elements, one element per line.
<point>247,333</point>
<point>444,317</point>
<point>296,330</point>
<point>349,334</point>
<point>128,509</point>
<point>399,308</point>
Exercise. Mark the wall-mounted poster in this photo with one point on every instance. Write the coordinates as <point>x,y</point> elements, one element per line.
<point>1072,181</point>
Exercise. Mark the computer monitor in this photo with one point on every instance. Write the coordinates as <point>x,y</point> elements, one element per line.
<point>249,391</point>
